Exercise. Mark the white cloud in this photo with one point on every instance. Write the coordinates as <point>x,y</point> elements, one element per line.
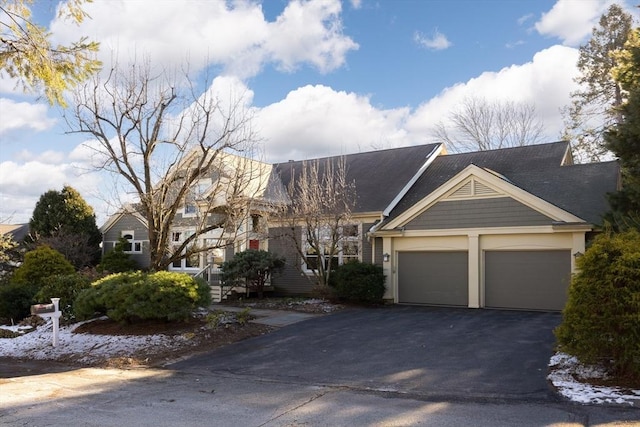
<point>525,18</point>
<point>233,35</point>
<point>356,4</point>
<point>572,20</point>
<point>316,121</point>
<point>50,157</point>
<point>437,41</point>
<point>23,115</point>
<point>309,32</point>
<point>22,184</point>
<point>546,82</point>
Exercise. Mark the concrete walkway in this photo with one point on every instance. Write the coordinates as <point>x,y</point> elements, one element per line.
<point>276,318</point>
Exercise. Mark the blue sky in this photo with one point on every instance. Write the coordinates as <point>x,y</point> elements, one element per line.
<point>324,77</point>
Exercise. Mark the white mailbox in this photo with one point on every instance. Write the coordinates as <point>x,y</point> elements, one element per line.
<point>50,311</point>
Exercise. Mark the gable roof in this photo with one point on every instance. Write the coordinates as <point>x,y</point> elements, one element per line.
<point>126,210</point>
<point>16,231</point>
<point>543,170</point>
<point>379,176</point>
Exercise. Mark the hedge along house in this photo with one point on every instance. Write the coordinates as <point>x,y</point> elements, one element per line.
<point>223,212</point>
<point>497,229</point>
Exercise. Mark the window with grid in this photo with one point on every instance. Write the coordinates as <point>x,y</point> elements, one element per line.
<point>348,248</point>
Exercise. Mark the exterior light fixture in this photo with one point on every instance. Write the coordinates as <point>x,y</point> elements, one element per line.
<point>385,257</point>
<point>578,255</point>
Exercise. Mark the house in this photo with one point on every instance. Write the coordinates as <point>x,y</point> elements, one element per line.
<point>499,229</point>
<point>129,223</point>
<point>495,229</point>
<point>201,234</point>
<point>12,256</point>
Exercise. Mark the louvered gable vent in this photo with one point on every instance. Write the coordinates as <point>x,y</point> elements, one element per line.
<point>480,189</point>
<point>465,191</point>
<point>472,189</point>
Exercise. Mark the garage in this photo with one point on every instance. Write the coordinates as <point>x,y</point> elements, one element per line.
<point>434,278</point>
<point>527,280</point>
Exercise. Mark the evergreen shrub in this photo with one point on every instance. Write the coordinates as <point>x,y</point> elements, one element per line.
<point>67,288</point>
<point>40,264</point>
<point>358,282</point>
<point>15,301</point>
<point>127,297</point>
<point>601,321</point>
<point>116,260</point>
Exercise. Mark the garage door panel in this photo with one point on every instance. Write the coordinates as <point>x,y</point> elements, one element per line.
<point>535,280</point>
<point>437,278</point>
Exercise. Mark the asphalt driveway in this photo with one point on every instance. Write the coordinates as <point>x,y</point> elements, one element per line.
<point>447,353</point>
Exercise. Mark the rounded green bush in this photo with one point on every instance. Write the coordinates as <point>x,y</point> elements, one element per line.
<point>601,321</point>
<point>117,261</point>
<point>40,264</point>
<point>358,282</point>
<point>16,300</point>
<point>126,297</point>
<point>66,287</point>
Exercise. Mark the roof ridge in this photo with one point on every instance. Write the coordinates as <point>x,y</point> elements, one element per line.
<point>379,151</point>
<point>520,147</point>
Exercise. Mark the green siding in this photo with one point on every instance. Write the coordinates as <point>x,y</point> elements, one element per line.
<point>290,281</point>
<point>478,213</point>
<point>129,222</point>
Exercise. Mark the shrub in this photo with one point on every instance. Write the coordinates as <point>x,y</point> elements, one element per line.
<point>358,282</point>
<point>16,300</point>
<point>116,260</point>
<point>252,268</point>
<point>40,264</point>
<point>66,287</point>
<point>601,321</point>
<point>38,267</point>
<point>126,297</point>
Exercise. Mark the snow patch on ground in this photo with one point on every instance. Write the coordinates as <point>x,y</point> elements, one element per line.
<point>84,348</point>
<point>571,380</point>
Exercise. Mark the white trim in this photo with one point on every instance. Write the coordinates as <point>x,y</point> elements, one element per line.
<point>491,180</point>
<point>430,158</point>
<point>113,219</point>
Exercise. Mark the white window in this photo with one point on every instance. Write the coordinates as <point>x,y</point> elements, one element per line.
<point>192,261</point>
<point>190,209</point>
<point>348,248</point>
<point>132,245</point>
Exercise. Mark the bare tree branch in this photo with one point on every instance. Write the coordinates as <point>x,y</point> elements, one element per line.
<point>165,142</point>
<point>479,125</point>
<point>321,204</point>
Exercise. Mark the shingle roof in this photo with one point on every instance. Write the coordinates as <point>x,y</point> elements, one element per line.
<point>378,175</point>
<point>537,169</point>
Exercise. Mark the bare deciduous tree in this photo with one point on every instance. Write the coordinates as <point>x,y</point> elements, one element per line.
<point>318,218</point>
<point>478,125</point>
<point>172,148</point>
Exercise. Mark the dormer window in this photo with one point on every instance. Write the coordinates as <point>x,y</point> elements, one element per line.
<point>190,209</point>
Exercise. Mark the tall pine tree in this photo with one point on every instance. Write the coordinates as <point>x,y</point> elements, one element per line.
<point>594,107</point>
<point>624,139</point>
<point>64,221</point>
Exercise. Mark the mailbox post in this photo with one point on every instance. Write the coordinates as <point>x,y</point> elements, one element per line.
<point>50,311</point>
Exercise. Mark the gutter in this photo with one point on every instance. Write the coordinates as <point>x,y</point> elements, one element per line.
<point>430,158</point>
